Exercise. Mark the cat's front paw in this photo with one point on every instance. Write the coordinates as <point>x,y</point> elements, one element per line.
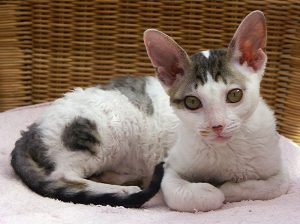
<point>194,197</point>
<point>207,197</point>
<point>231,192</point>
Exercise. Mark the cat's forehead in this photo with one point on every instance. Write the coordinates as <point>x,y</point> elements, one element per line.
<point>208,68</point>
<point>211,63</point>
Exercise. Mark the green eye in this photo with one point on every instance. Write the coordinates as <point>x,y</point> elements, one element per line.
<point>192,103</point>
<point>234,96</point>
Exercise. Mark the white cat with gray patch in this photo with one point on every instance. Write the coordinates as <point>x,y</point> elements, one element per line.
<point>227,146</point>
<point>91,144</point>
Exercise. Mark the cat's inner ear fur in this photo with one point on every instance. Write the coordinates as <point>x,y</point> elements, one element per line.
<point>169,59</point>
<point>246,49</point>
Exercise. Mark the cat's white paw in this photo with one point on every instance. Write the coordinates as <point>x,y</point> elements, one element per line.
<point>194,197</point>
<point>127,190</point>
<point>256,189</point>
<point>231,192</point>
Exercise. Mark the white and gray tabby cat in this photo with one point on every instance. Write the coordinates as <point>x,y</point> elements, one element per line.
<point>89,145</point>
<point>94,146</point>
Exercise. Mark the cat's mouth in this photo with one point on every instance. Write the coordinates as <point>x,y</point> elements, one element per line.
<point>212,137</point>
<point>221,139</point>
<point>215,137</point>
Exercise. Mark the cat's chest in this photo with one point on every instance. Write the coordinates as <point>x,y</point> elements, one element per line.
<point>239,162</point>
<point>226,164</point>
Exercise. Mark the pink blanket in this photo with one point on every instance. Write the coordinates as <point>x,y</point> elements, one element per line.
<point>20,205</point>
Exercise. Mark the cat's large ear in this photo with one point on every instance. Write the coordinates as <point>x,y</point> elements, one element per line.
<point>246,49</point>
<point>169,59</point>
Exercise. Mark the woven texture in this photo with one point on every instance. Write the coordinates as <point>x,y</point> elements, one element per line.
<point>49,47</point>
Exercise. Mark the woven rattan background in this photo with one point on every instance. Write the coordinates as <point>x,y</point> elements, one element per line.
<point>48,47</point>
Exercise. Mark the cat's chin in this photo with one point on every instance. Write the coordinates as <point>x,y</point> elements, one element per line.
<point>220,139</point>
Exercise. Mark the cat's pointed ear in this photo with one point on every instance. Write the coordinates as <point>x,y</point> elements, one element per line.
<point>169,59</point>
<point>246,49</point>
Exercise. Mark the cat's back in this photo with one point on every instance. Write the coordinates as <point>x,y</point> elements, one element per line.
<point>125,108</point>
<point>139,97</point>
<point>132,120</point>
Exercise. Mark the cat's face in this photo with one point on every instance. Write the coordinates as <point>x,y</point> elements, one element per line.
<point>215,98</point>
<point>213,92</point>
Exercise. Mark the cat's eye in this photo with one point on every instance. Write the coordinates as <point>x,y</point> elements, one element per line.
<point>192,103</point>
<point>234,95</point>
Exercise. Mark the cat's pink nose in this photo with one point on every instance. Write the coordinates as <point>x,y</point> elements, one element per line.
<point>217,129</point>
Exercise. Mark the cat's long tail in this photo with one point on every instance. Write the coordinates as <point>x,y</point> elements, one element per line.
<point>35,177</point>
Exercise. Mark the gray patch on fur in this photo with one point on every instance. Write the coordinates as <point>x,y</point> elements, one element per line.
<point>30,147</point>
<point>134,88</point>
<point>81,134</point>
<point>215,66</point>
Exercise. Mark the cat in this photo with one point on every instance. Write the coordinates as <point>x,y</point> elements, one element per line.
<point>227,146</point>
<point>206,109</point>
<point>88,146</point>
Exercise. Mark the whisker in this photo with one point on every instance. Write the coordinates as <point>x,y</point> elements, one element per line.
<point>204,132</point>
<point>231,128</point>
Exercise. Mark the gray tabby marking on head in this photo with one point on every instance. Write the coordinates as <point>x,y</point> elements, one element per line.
<point>81,134</point>
<point>134,88</point>
<point>31,145</point>
<point>213,64</point>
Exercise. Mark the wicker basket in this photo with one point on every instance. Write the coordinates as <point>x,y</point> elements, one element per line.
<point>48,47</point>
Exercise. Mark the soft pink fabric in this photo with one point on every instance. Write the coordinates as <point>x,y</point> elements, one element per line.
<point>20,205</point>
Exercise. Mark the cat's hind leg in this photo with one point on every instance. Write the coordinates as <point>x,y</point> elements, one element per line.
<point>256,189</point>
<point>72,187</point>
<point>117,179</point>
<point>182,195</point>
<point>74,183</point>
